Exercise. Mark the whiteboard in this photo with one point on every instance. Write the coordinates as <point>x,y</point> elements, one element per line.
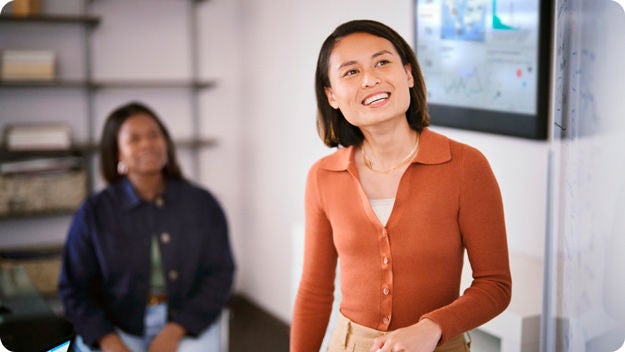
<point>585,251</point>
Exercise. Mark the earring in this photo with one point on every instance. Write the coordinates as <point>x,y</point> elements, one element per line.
<point>122,168</point>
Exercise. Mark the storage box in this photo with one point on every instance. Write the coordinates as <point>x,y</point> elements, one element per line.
<point>25,7</point>
<point>27,65</point>
<point>37,137</point>
<point>43,273</point>
<point>42,192</point>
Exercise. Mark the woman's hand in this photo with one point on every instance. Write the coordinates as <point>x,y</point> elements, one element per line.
<point>113,343</point>
<point>420,337</point>
<point>167,339</point>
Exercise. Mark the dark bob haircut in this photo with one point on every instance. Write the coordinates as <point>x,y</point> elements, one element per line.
<point>332,126</point>
<point>109,149</point>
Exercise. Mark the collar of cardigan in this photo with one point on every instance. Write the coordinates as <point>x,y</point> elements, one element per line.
<point>434,149</point>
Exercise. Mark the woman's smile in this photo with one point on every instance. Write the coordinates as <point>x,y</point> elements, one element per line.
<point>376,99</point>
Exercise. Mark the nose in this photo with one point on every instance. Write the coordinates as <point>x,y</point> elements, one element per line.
<point>147,142</point>
<point>369,79</point>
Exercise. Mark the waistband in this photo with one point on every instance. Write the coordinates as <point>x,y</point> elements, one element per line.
<point>154,299</point>
<point>348,329</point>
<point>351,328</point>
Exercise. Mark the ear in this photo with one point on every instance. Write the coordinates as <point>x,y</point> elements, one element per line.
<point>408,69</point>
<point>331,99</point>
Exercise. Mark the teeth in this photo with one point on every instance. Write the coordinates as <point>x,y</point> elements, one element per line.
<point>375,98</point>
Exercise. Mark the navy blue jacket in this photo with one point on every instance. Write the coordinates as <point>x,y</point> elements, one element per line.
<point>105,273</point>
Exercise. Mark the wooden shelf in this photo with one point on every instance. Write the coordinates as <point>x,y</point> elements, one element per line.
<point>41,84</point>
<point>149,84</point>
<point>80,149</point>
<point>192,143</point>
<point>110,84</point>
<point>37,214</point>
<point>59,19</point>
<point>185,143</point>
<point>7,155</point>
<point>43,251</point>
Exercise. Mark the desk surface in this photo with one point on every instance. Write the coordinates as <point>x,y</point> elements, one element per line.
<point>26,322</point>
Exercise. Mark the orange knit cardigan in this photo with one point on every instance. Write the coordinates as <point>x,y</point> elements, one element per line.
<point>392,276</point>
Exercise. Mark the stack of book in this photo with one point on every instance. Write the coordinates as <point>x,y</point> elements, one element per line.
<point>27,65</point>
<point>34,137</point>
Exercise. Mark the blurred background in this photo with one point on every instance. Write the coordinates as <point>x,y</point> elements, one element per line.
<point>233,80</point>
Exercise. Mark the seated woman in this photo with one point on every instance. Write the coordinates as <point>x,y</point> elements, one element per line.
<point>147,265</point>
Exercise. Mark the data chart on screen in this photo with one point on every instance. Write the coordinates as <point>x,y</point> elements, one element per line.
<point>480,54</point>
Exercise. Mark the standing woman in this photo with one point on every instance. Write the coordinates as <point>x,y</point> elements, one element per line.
<point>398,204</point>
<point>147,265</point>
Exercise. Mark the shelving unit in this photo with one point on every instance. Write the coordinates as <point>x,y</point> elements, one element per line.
<point>89,20</point>
<point>86,89</point>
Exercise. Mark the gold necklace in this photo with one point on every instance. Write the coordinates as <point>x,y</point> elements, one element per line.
<point>369,164</point>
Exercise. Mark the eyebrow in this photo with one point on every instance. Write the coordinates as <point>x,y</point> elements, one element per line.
<point>352,62</point>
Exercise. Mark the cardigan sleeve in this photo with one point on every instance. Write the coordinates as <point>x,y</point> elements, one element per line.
<point>313,303</point>
<point>79,273</point>
<point>213,278</point>
<point>482,227</point>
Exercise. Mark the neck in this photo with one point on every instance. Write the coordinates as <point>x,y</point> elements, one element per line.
<point>148,186</point>
<point>388,149</point>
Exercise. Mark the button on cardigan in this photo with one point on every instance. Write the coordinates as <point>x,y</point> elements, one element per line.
<point>448,201</point>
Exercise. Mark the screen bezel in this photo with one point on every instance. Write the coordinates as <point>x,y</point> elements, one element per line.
<point>532,126</point>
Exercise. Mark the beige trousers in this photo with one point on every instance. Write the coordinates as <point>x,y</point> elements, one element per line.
<point>348,336</point>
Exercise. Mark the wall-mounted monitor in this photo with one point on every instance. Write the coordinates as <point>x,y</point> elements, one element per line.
<point>486,64</point>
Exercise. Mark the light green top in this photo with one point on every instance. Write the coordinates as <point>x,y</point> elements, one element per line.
<point>157,279</point>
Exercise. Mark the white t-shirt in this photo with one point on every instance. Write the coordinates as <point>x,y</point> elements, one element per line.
<point>382,208</point>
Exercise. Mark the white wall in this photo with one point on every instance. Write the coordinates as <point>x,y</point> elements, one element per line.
<point>281,40</point>
<point>221,58</point>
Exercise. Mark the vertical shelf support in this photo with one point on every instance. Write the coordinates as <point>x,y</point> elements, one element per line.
<point>90,96</point>
<point>196,118</point>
